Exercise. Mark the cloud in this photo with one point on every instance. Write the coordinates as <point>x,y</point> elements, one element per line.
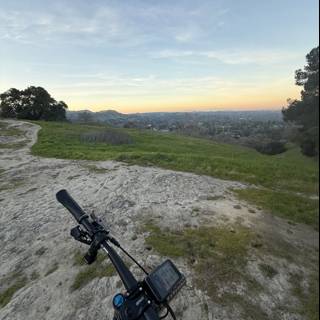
<point>149,85</point>
<point>109,23</point>
<point>63,25</point>
<point>235,57</point>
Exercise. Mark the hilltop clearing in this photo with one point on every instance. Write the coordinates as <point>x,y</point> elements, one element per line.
<point>240,261</point>
<point>289,176</point>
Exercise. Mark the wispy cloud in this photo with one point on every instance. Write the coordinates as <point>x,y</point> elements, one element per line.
<point>231,56</point>
<point>149,85</point>
<point>63,25</point>
<point>102,23</point>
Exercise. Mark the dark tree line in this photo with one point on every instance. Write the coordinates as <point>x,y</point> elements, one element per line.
<point>305,112</point>
<point>33,103</point>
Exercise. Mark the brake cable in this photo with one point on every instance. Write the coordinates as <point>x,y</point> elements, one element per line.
<point>132,258</point>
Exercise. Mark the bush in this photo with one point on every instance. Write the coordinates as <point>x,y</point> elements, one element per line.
<point>308,148</point>
<point>112,137</point>
<point>310,143</point>
<point>271,148</point>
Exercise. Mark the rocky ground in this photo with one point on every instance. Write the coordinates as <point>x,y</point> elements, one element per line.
<point>36,247</point>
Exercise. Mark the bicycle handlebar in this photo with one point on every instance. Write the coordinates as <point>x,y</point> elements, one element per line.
<point>68,202</point>
<point>72,206</point>
<point>126,276</point>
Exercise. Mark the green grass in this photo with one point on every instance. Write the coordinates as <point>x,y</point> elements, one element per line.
<point>218,256</point>
<point>16,282</point>
<point>7,295</point>
<point>87,273</point>
<point>309,307</point>
<point>267,270</point>
<point>282,176</point>
<point>288,171</point>
<point>286,205</point>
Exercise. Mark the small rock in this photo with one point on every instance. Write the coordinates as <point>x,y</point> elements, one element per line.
<point>237,206</point>
<point>252,211</point>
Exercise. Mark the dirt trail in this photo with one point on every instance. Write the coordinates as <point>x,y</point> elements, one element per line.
<point>34,233</point>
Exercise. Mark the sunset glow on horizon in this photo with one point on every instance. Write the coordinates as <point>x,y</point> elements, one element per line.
<point>271,98</point>
<point>150,56</point>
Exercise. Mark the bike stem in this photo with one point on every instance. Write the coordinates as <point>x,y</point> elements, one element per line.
<point>125,274</point>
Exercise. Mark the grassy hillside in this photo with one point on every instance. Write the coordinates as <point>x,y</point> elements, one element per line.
<point>289,173</point>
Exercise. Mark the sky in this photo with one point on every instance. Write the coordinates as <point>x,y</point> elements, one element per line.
<point>158,55</point>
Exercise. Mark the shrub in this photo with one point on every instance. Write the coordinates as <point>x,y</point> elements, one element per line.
<point>310,143</point>
<point>271,148</point>
<point>112,137</point>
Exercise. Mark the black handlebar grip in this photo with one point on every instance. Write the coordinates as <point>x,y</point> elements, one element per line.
<point>68,202</point>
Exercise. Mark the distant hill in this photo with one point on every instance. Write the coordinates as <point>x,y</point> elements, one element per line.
<point>156,118</point>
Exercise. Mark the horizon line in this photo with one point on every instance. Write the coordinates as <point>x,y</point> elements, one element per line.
<point>187,111</point>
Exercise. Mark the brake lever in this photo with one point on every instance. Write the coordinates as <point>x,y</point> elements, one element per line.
<point>82,236</point>
<point>100,234</point>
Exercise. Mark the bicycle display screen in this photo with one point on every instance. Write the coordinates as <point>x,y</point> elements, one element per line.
<point>165,281</point>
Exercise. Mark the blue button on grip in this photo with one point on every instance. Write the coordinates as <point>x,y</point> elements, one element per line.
<point>118,300</point>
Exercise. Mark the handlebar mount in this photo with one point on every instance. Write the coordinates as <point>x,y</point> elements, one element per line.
<point>143,300</point>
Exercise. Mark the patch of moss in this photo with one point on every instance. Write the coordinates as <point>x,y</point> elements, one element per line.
<point>53,268</point>
<point>249,310</point>
<point>308,297</point>
<point>99,269</point>
<point>95,169</point>
<point>12,185</point>
<point>295,208</point>
<point>218,255</point>
<point>7,131</point>
<point>78,258</point>
<point>16,145</point>
<point>18,281</point>
<point>34,275</point>
<point>267,270</point>
<point>268,244</point>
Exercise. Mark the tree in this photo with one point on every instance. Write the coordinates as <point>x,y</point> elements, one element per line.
<point>10,102</point>
<point>33,103</point>
<point>305,112</point>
